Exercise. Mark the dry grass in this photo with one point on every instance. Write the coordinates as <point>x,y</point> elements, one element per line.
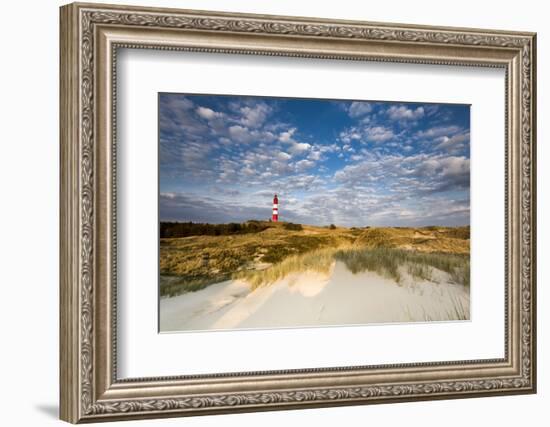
<point>429,239</point>
<point>191,263</point>
<point>386,261</point>
<point>319,260</point>
<point>457,311</point>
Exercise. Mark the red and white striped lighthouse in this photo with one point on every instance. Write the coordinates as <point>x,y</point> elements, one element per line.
<point>275,216</point>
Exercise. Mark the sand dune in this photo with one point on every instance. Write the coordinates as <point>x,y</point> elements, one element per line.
<point>314,299</point>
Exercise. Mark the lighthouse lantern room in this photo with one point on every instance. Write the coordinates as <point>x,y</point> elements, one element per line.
<point>275,216</point>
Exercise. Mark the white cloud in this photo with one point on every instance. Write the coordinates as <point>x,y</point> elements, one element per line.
<point>245,135</point>
<point>438,131</point>
<point>403,113</point>
<point>249,171</point>
<point>350,134</point>
<point>280,167</point>
<point>287,135</point>
<point>299,147</point>
<point>303,165</point>
<point>295,147</point>
<point>207,113</point>
<point>376,180</point>
<point>240,134</point>
<point>413,175</point>
<point>332,148</point>
<point>359,108</point>
<point>178,102</point>
<point>255,116</point>
<point>366,134</point>
<point>314,155</point>
<point>300,182</point>
<point>454,166</point>
<point>378,134</point>
<point>455,142</point>
<point>281,155</point>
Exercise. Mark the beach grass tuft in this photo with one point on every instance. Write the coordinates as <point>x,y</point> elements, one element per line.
<point>386,261</point>
<point>318,260</point>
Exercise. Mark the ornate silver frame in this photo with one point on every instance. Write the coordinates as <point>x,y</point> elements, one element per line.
<point>90,36</point>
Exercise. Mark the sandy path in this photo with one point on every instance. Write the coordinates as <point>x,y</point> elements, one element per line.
<point>313,299</point>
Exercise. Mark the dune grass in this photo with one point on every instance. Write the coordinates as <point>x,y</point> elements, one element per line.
<point>191,263</point>
<point>384,261</point>
<point>319,260</point>
<point>457,311</point>
<point>171,286</point>
<point>387,261</point>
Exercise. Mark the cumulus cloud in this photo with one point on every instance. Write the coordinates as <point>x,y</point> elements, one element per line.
<point>351,134</point>
<point>281,155</point>
<point>366,134</point>
<point>402,112</point>
<point>378,134</point>
<point>244,135</point>
<point>359,108</point>
<point>361,163</point>
<point>304,164</point>
<point>255,116</point>
<point>438,131</point>
<point>240,134</point>
<point>299,147</point>
<point>286,136</point>
<point>453,143</point>
<point>418,174</point>
<point>315,155</point>
<point>207,113</point>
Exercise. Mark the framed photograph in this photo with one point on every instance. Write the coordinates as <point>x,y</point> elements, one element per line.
<point>267,212</point>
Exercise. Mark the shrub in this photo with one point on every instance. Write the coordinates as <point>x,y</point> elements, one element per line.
<point>186,229</point>
<point>292,227</point>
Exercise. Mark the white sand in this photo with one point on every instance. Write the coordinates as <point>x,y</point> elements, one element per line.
<point>313,299</point>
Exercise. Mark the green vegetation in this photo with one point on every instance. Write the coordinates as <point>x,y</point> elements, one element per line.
<point>462,274</point>
<point>262,252</point>
<point>292,226</point>
<point>387,261</point>
<point>186,229</point>
<point>384,261</point>
<point>176,285</point>
<point>193,262</point>
<point>319,260</point>
<point>427,239</point>
<point>456,232</point>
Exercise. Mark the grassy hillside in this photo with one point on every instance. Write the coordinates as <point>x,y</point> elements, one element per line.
<point>191,263</point>
<point>454,240</point>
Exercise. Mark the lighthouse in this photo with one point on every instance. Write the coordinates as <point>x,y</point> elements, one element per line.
<point>275,216</point>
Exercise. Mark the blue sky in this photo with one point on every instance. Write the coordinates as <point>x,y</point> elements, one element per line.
<point>350,163</point>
